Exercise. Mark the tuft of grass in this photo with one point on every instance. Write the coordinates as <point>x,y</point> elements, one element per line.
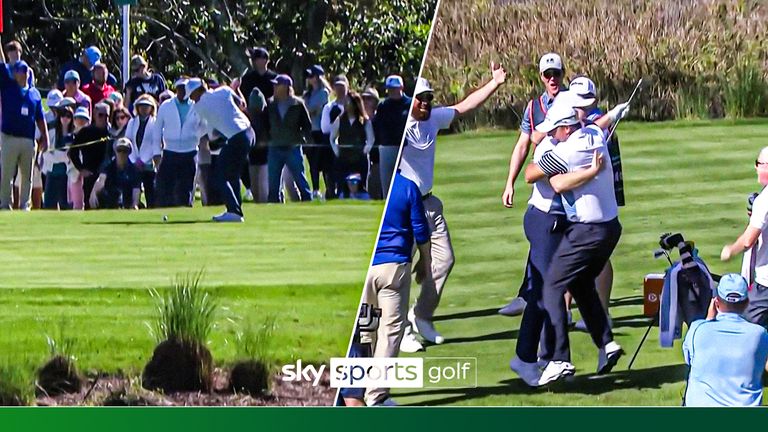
<point>61,343</point>
<point>185,312</point>
<point>17,383</point>
<point>256,341</point>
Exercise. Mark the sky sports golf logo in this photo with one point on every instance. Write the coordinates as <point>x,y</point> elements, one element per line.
<point>429,372</point>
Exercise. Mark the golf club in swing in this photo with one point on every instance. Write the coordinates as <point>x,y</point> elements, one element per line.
<point>629,102</point>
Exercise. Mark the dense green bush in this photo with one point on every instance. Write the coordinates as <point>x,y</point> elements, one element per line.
<point>698,58</point>
<point>367,39</point>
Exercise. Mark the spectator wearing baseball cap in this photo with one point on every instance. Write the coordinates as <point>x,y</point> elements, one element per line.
<point>551,72</point>
<point>320,155</point>
<point>22,113</point>
<point>119,182</point>
<point>389,124</point>
<point>90,151</point>
<point>177,126</point>
<point>726,353</point>
<point>143,81</point>
<point>288,126</point>
<point>147,147</point>
<point>83,66</point>
<point>257,77</point>
<point>98,89</point>
<point>72,90</point>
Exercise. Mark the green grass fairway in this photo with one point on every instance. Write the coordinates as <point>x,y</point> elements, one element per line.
<point>692,177</point>
<point>302,263</point>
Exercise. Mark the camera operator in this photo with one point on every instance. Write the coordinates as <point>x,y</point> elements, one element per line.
<point>726,353</point>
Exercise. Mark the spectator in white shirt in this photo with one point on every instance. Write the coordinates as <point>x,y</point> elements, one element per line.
<point>147,150</point>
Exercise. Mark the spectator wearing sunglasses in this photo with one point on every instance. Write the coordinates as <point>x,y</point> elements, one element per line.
<point>551,72</point>
<point>57,162</point>
<point>143,81</point>
<point>147,148</point>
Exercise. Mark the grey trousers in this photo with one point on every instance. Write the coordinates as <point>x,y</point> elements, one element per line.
<point>387,164</point>
<point>387,286</point>
<point>442,259</point>
<point>17,153</point>
<point>757,309</point>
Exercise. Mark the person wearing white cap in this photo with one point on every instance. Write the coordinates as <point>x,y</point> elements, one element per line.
<point>551,73</point>
<point>589,238</point>
<point>389,125</point>
<point>147,148</point>
<point>222,112</point>
<point>417,163</point>
<point>726,353</point>
<point>178,127</point>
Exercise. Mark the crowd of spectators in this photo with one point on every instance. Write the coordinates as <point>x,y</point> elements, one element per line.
<point>92,144</point>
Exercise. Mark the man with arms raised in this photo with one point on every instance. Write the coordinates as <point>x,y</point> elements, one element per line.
<point>418,164</point>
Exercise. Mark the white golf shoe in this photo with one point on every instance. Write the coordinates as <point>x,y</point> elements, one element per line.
<point>425,328</point>
<point>607,357</point>
<point>556,370</point>
<point>228,217</point>
<point>409,343</point>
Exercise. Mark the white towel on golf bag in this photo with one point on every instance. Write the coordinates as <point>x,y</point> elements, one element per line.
<point>748,266</point>
<point>670,322</point>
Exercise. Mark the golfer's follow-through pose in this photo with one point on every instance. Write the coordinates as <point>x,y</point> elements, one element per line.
<point>589,237</point>
<point>417,164</point>
<point>221,110</point>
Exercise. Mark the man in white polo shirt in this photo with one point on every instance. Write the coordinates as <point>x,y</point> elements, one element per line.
<point>417,163</point>
<point>754,237</point>
<point>223,110</point>
<point>591,235</point>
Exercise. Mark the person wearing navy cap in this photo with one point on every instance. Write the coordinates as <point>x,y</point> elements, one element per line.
<point>319,155</point>
<point>726,353</point>
<point>388,125</point>
<point>22,111</point>
<point>288,126</point>
<point>257,81</point>
<point>83,65</point>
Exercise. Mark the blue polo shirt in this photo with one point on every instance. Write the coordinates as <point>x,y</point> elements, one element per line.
<point>21,106</point>
<point>404,221</point>
<point>727,357</point>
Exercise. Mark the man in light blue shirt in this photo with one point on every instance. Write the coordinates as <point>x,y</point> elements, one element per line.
<point>727,354</point>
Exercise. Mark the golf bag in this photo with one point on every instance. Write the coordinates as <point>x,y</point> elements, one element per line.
<point>687,292</point>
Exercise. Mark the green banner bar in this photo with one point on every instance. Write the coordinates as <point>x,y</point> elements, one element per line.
<point>374,419</point>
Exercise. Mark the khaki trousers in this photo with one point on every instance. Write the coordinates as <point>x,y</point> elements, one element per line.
<point>442,259</point>
<point>387,286</point>
<point>17,153</point>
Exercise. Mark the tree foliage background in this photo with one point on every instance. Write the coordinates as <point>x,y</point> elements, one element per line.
<point>366,39</point>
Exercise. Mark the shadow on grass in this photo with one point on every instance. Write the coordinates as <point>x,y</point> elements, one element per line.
<point>469,314</point>
<point>627,301</point>
<point>175,222</point>
<point>504,335</point>
<point>589,384</point>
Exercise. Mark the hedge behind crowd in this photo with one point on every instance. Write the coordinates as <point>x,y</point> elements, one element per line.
<point>367,38</point>
<point>698,58</point>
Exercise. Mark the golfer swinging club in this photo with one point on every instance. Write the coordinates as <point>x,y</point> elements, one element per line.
<point>222,110</point>
<point>418,164</point>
